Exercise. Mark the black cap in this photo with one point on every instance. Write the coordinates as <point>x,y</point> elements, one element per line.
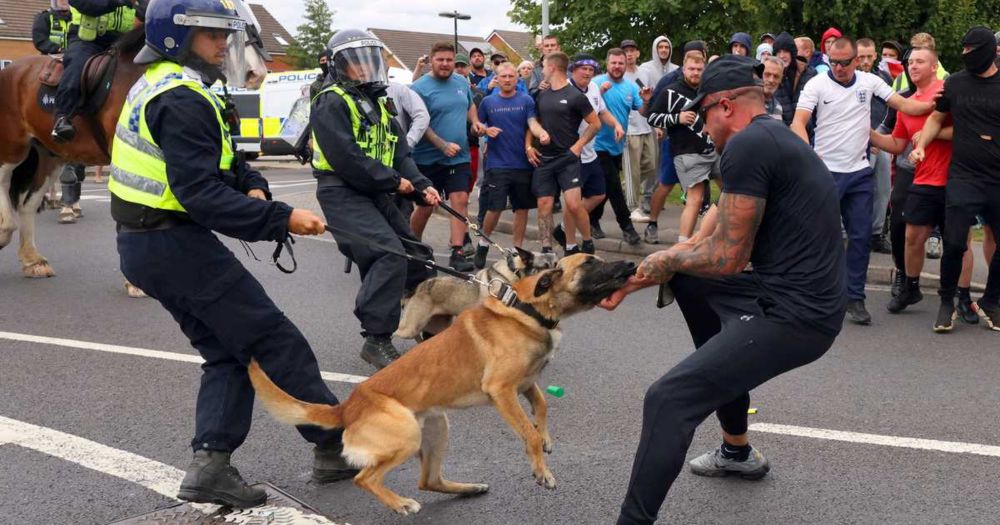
<point>629,43</point>
<point>476,50</point>
<point>895,45</point>
<point>501,55</point>
<point>725,73</point>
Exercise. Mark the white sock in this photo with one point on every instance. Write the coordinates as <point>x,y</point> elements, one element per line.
<point>570,246</point>
<point>484,242</point>
<point>682,238</point>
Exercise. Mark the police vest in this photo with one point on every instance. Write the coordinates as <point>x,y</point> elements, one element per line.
<point>121,20</point>
<point>376,140</point>
<point>58,29</point>
<point>138,171</point>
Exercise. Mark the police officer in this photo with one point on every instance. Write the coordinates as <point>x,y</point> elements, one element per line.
<point>51,27</point>
<point>174,181</point>
<point>95,25</point>
<point>360,157</point>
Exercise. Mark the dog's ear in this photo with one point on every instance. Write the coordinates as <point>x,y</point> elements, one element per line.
<point>545,281</point>
<point>528,258</point>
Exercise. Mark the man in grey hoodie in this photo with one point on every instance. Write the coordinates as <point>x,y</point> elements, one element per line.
<point>650,74</point>
<point>641,153</point>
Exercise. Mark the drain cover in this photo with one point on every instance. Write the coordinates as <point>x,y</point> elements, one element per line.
<point>281,509</point>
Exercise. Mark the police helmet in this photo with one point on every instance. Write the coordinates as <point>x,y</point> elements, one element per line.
<point>356,59</point>
<point>171,24</point>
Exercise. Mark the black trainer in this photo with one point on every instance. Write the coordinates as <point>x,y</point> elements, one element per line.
<point>588,247</point>
<point>631,236</point>
<point>379,351</point>
<point>559,235</point>
<point>329,465</point>
<point>857,312</point>
<point>898,282</point>
<point>596,231</point>
<point>63,130</point>
<point>459,261</point>
<point>907,297</point>
<point>880,244</point>
<point>211,479</point>
<point>571,251</point>
<point>967,310</point>
<point>945,317</point>
<point>479,261</point>
<point>990,315</point>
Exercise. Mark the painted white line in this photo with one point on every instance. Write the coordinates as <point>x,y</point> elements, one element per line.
<point>144,352</point>
<point>954,447</point>
<point>281,185</point>
<point>153,475</point>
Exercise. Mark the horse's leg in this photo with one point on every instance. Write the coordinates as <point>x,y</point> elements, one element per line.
<point>32,263</point>
<point>7,221</point>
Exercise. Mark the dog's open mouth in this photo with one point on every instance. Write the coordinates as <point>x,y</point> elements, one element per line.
<point>601,279</point>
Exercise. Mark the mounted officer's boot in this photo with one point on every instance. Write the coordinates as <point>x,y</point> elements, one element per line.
<point>211,479</point>
<point>329,465</point>
<point>63,130</point>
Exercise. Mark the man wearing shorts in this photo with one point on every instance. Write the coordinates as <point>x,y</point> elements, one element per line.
<point>560,109</point>
<point>508,116</point>
<point>443,155</point>
<point>779,211</point>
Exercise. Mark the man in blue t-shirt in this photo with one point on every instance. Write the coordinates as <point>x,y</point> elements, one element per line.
<point>443,154</point>
<point>507,115</point>
<point>620,96</point>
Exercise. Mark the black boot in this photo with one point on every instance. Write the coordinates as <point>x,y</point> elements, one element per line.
<point>63,130</point>
<point>559,235</point>
<point>596,231</point>
<point>329,465</point>
<point>479,261</point>
<point>211,479</point>
<point>588,247</point>
<point>459,261</point>
<point>378,350</point>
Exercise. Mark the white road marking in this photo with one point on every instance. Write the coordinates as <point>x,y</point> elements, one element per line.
<point>954,447</point>
<point>153,475</point>
<point>144,352</point>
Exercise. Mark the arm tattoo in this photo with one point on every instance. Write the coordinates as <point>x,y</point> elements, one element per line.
<point>725,252</point>
<point>545,226</point>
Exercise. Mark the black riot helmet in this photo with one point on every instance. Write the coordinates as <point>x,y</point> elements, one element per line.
<point>356,59</point>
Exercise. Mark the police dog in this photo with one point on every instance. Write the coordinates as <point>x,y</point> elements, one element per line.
<point>448,296</point>
<point>491,353</point>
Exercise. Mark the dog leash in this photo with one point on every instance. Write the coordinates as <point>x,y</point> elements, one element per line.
<point>473,227</point>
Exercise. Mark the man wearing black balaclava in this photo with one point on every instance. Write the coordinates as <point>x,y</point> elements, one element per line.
<point>972,98</point>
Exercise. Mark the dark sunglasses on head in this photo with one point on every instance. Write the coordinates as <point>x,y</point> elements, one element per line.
<point>843,63</point>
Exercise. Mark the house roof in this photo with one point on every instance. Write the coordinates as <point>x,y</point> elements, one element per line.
<point>276,38</point>
<point>408,46</point>
<point>18,15</point>
<point>521,42</point>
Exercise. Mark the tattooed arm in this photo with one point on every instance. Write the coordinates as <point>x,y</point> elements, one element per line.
<point>725,252</point>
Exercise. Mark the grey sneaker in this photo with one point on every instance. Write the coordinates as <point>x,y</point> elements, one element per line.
<point>712,464</point>
<point>652,234</point>
<point>933,247</point>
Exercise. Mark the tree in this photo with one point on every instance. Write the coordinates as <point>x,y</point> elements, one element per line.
<point>313,35</point>
<point>597,26</point>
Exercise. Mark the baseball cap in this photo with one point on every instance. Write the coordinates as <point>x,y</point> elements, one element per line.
<point>462,59</point>
<point>501,55</point>
<point>476,50</point>
<point>725,73</point>
<point>629,43</point>
<point>765,35</point>
<point>895,45</point>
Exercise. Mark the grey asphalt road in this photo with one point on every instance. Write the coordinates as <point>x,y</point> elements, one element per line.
<point>895,378</point>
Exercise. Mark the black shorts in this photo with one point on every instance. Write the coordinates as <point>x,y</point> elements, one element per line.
<point>592,181</point>
<point>448,178</point>
<point>502,183</point>
<point>556,174</point>
<point>925,205</point>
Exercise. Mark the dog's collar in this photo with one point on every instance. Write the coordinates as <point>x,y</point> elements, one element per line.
<point>505,294</point>
<point>547,323</point>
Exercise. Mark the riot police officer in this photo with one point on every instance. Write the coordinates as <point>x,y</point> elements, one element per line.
<point>360,157</point>
<point>95,25</point>
<point>175,179</point>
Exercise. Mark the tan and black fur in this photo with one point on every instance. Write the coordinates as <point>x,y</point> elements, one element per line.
<point>490,355</point>
<point>448,296</point>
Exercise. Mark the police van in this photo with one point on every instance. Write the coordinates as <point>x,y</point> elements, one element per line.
<point>264,111</point>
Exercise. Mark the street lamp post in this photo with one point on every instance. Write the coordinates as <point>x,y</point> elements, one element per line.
<point>456,16</point>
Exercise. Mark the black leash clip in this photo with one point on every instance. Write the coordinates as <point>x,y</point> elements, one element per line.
<point>285,245</point>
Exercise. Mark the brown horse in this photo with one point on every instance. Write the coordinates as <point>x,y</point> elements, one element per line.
<point>30,160</point>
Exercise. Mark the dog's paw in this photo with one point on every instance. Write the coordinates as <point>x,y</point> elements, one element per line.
<point>406,506</point>
<point>545,479</point>
<point>547,445</point>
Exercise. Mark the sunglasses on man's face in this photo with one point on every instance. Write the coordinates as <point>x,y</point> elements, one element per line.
<point>843,63</point>
<point>497,62</point>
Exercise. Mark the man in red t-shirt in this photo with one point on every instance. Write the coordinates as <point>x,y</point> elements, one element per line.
<point>925,203</point>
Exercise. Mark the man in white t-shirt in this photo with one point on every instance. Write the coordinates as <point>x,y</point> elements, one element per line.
<point>841,100</point>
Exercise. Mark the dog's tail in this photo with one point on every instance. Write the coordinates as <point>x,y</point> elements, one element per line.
<point>287,409</point>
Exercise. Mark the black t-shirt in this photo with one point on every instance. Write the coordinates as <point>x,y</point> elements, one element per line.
<point>560,113</point>
<point>798,254</point>
<point>974,104</point>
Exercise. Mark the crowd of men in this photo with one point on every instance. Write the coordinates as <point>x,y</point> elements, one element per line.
<point>570,132</point>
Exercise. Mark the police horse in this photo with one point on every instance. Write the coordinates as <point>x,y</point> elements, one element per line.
<point>30,161</point>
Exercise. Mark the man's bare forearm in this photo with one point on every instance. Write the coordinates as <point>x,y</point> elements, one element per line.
<point>725,252</point>
<point>434,139</point>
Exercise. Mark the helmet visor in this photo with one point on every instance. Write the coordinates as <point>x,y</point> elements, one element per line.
<point>235,66</point>
<point>360,65</point>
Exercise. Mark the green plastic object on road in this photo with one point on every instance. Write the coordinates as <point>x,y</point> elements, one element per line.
<point>555,390</point>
